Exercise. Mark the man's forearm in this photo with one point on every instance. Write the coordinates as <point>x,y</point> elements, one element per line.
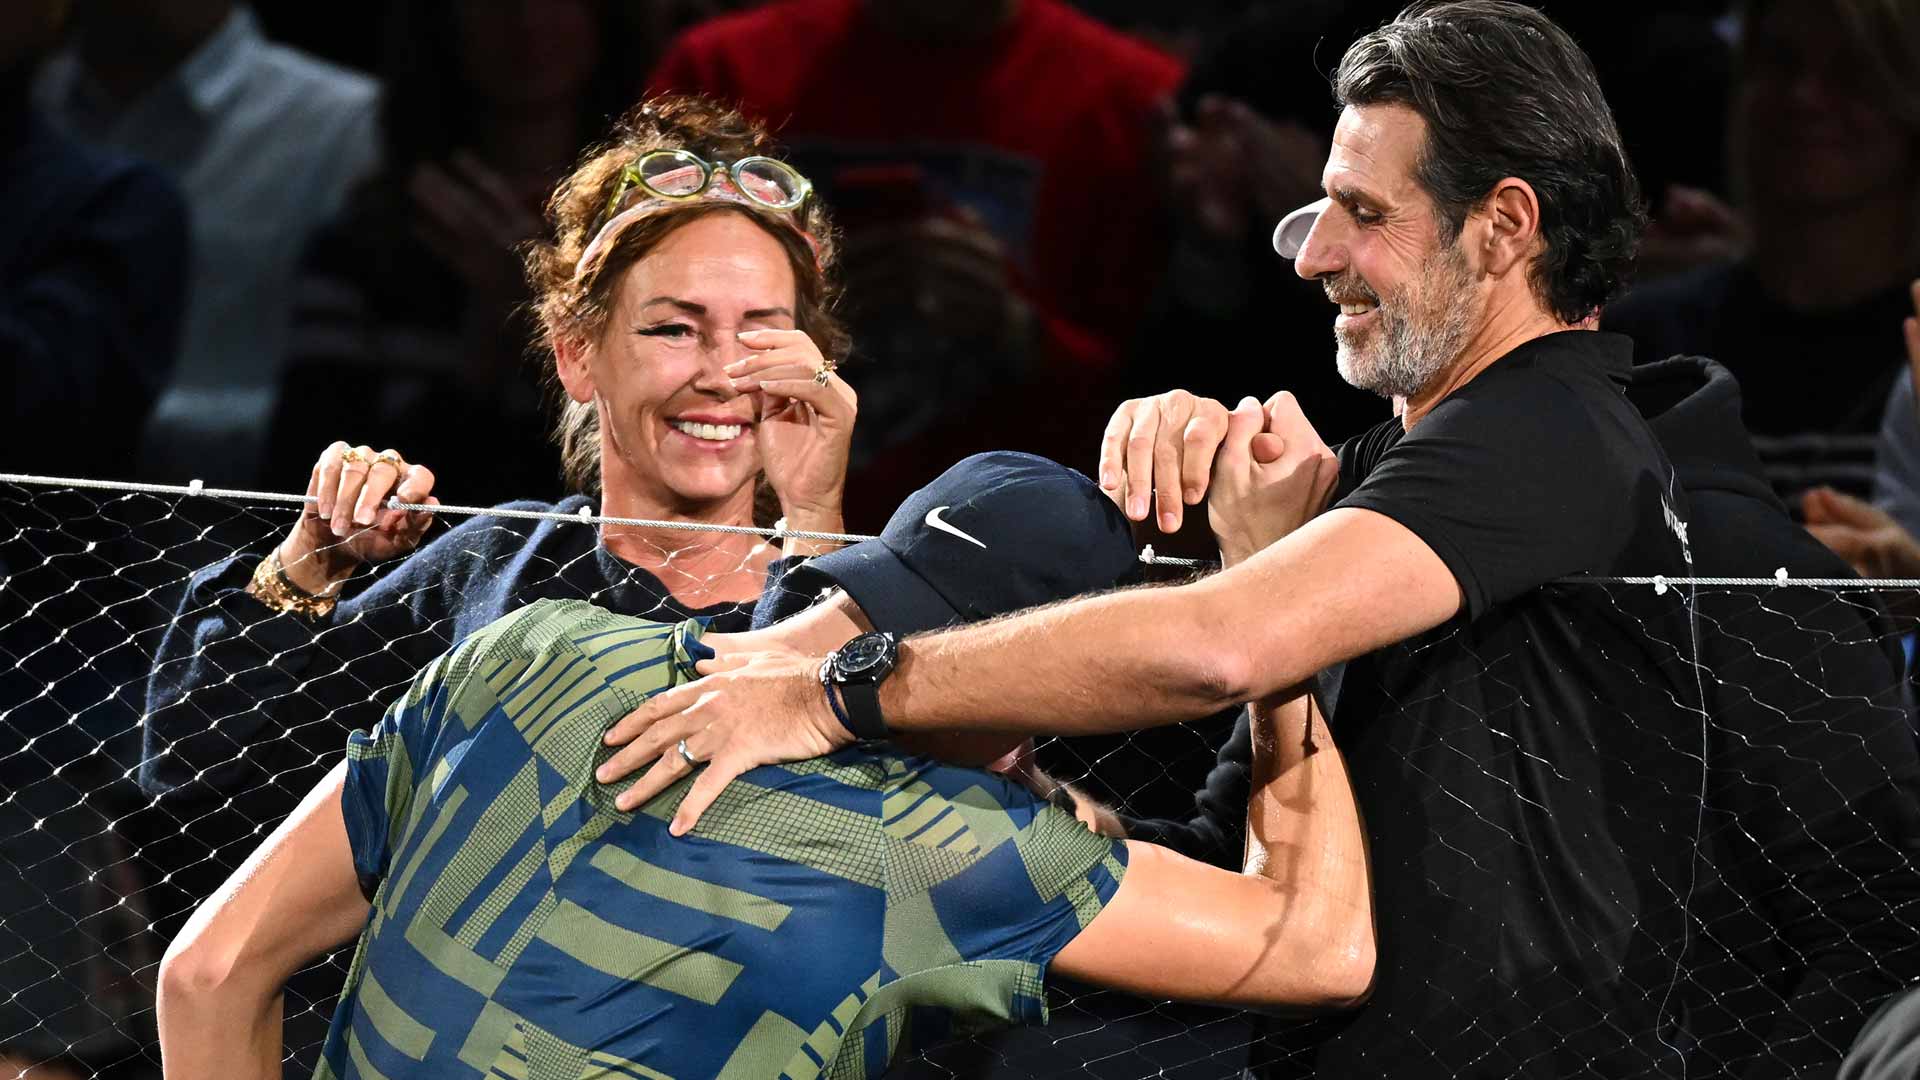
<point>1344,584</point>
<point>1120,662</point>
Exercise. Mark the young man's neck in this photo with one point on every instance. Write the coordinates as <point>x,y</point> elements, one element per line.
<point>1509,323</point>
<point>1820,258</point>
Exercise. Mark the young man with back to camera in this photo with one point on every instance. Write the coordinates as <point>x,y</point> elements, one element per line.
<point>1527,755</point>
<point>511,917</point>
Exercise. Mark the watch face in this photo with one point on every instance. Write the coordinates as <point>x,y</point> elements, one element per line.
<point>863,655</point>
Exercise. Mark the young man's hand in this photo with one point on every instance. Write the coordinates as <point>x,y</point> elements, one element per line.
<point>1271,475</point>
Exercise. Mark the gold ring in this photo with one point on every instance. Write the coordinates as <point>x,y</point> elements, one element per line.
<point>393,458</point>
<point>826,370</point>
<point>352,456</point>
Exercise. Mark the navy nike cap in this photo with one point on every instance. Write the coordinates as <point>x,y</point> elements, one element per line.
<point>994,534</point>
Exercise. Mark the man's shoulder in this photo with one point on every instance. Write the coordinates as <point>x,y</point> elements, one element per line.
<point>335,110</point>
<point>1553,391</point>
<point>318,86</point>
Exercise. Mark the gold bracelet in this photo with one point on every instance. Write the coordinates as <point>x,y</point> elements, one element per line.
<point>272,587</point>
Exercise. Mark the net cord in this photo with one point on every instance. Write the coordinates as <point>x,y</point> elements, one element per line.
<point>1659,582</point>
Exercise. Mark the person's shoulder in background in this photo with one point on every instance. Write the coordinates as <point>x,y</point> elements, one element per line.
<point>724,54</point>
<point>326,87</point>
<point>1896,468</point>
<point>1675,315</point>
<point>101,238</point>
<point>1129,66</point>
<point>315,123</point>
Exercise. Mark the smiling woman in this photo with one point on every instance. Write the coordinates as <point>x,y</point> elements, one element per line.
<point>684,299</point>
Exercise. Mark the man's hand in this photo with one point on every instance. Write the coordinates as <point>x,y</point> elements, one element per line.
<point>1863,534</point>
<point>752,709</point>
<point>1158,452</point>
<point>1271,475</point>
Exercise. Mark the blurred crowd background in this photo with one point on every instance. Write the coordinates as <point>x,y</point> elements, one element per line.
<point>286,224</point>
<point>231,234</point>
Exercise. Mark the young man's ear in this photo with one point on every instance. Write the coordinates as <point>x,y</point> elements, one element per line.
<point>1509,235</point>
<point>570,362</point>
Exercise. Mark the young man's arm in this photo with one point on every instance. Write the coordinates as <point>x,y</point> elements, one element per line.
<point>296,897</point>
<point>1294,930</point>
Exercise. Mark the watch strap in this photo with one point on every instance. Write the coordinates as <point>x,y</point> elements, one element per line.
<point>862,715</point>
<point>832,690</point>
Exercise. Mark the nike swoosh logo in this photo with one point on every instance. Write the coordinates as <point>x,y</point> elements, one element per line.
<point>935,521</point>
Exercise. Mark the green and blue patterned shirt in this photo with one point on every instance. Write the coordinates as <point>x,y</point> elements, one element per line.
<point>822,916</point>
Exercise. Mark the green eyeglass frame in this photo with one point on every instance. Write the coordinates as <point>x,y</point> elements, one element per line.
<point>749,176</point>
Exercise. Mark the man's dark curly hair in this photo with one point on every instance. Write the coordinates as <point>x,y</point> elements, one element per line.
<point>1505,92</point>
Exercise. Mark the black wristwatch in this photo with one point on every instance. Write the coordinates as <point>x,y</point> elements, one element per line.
<point>851,676</point>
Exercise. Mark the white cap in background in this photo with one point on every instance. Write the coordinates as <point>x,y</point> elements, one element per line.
<point>1291,234</point>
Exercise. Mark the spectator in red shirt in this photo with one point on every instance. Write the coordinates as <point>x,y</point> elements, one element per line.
<point>989,163</point>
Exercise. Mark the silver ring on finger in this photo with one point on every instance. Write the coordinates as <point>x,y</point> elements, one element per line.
<point>686,755</point>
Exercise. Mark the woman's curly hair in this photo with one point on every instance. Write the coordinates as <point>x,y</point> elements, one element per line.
<point>574,302</point>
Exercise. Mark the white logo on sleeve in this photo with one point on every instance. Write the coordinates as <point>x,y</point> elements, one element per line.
<point>934,521</point>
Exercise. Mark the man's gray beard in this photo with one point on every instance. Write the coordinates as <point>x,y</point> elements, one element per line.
<point>1419,336</point>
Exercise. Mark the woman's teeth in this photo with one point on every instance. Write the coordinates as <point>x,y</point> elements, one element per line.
<point>709,432</point>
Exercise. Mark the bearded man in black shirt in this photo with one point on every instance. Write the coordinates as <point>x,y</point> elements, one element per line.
<point>1529,754</point>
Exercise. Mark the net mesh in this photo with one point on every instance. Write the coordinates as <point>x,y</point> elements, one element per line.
<point>156,724</point>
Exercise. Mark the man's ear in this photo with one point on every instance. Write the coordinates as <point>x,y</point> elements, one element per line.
<point>1510,226</point>
<point>570,358</point>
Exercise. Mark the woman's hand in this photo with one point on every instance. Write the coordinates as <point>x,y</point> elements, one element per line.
<point>1271,475</point>
<point>348,524</point>
<point>806,426</point>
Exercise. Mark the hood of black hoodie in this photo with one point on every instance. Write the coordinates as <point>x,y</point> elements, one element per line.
<point>1693,406</point>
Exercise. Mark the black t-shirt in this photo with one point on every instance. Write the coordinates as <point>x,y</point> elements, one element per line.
<point>1529,771</point>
